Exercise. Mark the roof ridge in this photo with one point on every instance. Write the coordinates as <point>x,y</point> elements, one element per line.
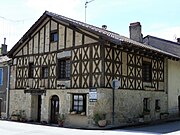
<point>76,21</point>
<point>175,43</point>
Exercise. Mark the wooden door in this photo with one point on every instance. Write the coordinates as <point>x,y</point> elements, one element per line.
<point>54,109</point>
<point>39,109</point>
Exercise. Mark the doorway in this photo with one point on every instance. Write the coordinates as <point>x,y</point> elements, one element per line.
<point>36,108</point>
<point>39,109</point>
<point>54,109</point>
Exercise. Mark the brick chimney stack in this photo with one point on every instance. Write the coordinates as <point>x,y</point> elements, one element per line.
<point>104,27</point>
<point>178,40</point>
<point>135,32</point>
<point>4,48</point>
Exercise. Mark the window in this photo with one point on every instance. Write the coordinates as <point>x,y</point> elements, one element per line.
<point>54,36</point>
<point>157,104</point>
<point>31,70</point>
<point>146,105</point>
<point>147,72</point>
<point>79,103</point>
<point>44,72</point>
<point>64,69</point>
<point>1,76</point>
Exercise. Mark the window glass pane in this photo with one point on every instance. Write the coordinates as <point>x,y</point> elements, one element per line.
<point>31,70</point>
<point>67,69</point>
<point>146,106</point>
<point>75,102</point>
<point>75,108</point>
<point>76,97</point>
<point>147,71</point>
<point>80,97</point>
<point>54,37</point>
<point>64,69</point>
<point>80,102</point>
<point>44,72</point>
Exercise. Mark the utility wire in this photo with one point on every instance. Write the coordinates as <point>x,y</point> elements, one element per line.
<point>10,20</point>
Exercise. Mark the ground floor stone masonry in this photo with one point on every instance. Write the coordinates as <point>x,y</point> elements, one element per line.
<point>128,105</point>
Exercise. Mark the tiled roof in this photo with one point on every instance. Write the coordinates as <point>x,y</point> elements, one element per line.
<point>162,44</point>
<point>111,36</point>
<point>114,37</point>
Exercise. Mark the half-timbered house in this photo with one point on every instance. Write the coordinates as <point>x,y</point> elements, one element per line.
<point>65,66</point>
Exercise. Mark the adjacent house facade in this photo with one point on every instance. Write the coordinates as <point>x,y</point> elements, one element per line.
<point>64,66</point>
<point>172,70</point>
<point>4,85</point>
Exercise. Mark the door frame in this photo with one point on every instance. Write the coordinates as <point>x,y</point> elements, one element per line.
<point>53,109</point>
<point>39,108</point>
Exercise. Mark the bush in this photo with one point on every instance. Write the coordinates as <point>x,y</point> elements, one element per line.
<point>98,116</point>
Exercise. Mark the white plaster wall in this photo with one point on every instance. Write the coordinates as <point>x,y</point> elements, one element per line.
<point>173,85</point>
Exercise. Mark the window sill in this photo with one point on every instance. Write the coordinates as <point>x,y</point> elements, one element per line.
<point>53,41</point>
<point>63,79</point>
<point>157,110</point>
<point>149,88</point>
<point>78,114</point>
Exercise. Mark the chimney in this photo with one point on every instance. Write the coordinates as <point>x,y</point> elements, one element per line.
<point>104,27</point>
<point>135,32</point>
<point>178,40</point>
<point>4,48</point>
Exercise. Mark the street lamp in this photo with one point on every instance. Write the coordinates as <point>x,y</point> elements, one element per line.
<point>115,86</point>
<point>87,2</point>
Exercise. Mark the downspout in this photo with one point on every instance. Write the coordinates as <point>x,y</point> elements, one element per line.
<point>8,91</point>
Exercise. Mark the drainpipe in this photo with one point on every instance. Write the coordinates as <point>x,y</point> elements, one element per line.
<point>8,91</point>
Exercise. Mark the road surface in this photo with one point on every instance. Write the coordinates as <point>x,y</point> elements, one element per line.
<point>14,128</point>
<point>169,128</point>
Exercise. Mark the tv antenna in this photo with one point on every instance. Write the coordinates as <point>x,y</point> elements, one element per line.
<point>86,3</point>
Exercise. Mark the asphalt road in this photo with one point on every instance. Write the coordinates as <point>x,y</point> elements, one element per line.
<point>14,128</point>
<point>165,128</point>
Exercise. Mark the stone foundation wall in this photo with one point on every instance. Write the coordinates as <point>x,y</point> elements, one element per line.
<point>20,101</point>
<point>128,105</point>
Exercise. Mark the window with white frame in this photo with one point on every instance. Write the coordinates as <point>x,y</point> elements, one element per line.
<point>79,103</point>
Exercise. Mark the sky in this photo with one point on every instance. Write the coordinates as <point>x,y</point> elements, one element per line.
<point>158,17</point>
